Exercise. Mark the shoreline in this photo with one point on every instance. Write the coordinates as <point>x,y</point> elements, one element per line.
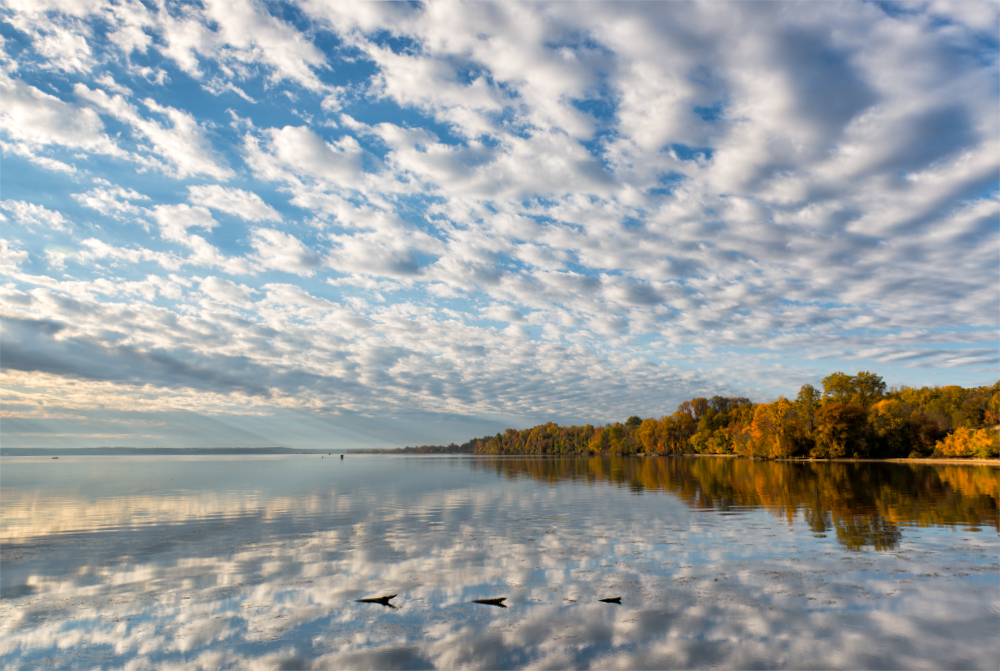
<point>944,461</point>
<point>233,454</point>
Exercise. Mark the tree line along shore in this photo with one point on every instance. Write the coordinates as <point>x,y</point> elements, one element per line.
<point>854,417</point>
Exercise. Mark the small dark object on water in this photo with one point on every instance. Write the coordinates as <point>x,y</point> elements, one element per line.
<point>384,600</point>
<point>614,599</point>
<point>341,456</point>
<point>55,457</point>
<point>492,602</point>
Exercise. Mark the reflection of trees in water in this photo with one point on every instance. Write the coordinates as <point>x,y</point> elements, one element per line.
<point>855,533</point>
<point>863,502</point>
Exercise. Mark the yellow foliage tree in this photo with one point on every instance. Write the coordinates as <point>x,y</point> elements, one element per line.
<point>964,442</point>
<point>649,435</point>
<point>891,427</point>
<point>597,442</point>
<point>771,430</point>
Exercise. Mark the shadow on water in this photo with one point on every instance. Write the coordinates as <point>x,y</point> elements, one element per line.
<point>863,503</point>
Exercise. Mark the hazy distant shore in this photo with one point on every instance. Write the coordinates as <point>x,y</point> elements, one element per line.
<point>149,451</point>
<point>271,451</point>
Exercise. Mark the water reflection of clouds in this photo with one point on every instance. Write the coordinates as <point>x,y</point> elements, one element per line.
<point>698,588</point>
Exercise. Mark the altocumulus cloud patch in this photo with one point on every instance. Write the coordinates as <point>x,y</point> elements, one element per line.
<point>379,223</point>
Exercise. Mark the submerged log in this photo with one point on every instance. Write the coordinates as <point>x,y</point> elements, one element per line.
<point>492,602</point>
<point>384,600</point>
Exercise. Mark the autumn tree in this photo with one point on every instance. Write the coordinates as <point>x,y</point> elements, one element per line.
<point>696,408</point>
<point>868,388</point>
<point>677,429</point>
<point>841,431</point>
<point>807,402</point>
<point>772,429</point>
<point>838,387</point>
<point>862,389</point>
<point>650,435</point>
<point>597,442</point>
<point>619,439</point>
<point>964,442</point>
<point>713,435</point>
<point>738,433</point>
<point>894,433</point>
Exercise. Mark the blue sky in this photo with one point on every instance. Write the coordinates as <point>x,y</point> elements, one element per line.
<point>376,224</point>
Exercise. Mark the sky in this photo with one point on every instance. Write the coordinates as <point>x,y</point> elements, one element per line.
<point>329,224</point>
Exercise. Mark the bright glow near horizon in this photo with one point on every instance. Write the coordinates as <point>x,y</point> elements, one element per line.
<point>374,224</point>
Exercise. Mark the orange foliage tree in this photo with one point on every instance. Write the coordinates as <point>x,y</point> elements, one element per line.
<point>772,429</point>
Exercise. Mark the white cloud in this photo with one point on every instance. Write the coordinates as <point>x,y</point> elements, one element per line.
<point>302,151</point>
<point>280,251</point>
<point>11,257</point>
<point>217,87</point>
<point>113,201</point>
<point>57,31</point>
<point>375,255</point>
<point>251,34</point>
<point>182,144</point>
<point>175,220</point>
<point>44,162</point>
<point>248,206</point>
<point>38,118</point>
<point>31,214</point>
<point>94,249</point>
<point>225,291</point>
<point>66,48</point>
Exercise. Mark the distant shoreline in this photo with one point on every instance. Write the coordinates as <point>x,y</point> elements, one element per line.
<point>151,451</point>
<point>278,451</point>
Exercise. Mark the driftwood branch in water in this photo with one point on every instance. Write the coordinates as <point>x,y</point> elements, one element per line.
<point>492,602</point>
<point>384,600</point>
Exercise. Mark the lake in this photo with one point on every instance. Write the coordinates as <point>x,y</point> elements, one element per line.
<point>258,562</point>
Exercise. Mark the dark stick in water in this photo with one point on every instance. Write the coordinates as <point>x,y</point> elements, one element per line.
<point>384,600</point>
<point>492,602</point>
<point>613,599</point>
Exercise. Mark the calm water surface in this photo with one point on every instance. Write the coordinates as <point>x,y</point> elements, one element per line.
<point>219,562</point>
